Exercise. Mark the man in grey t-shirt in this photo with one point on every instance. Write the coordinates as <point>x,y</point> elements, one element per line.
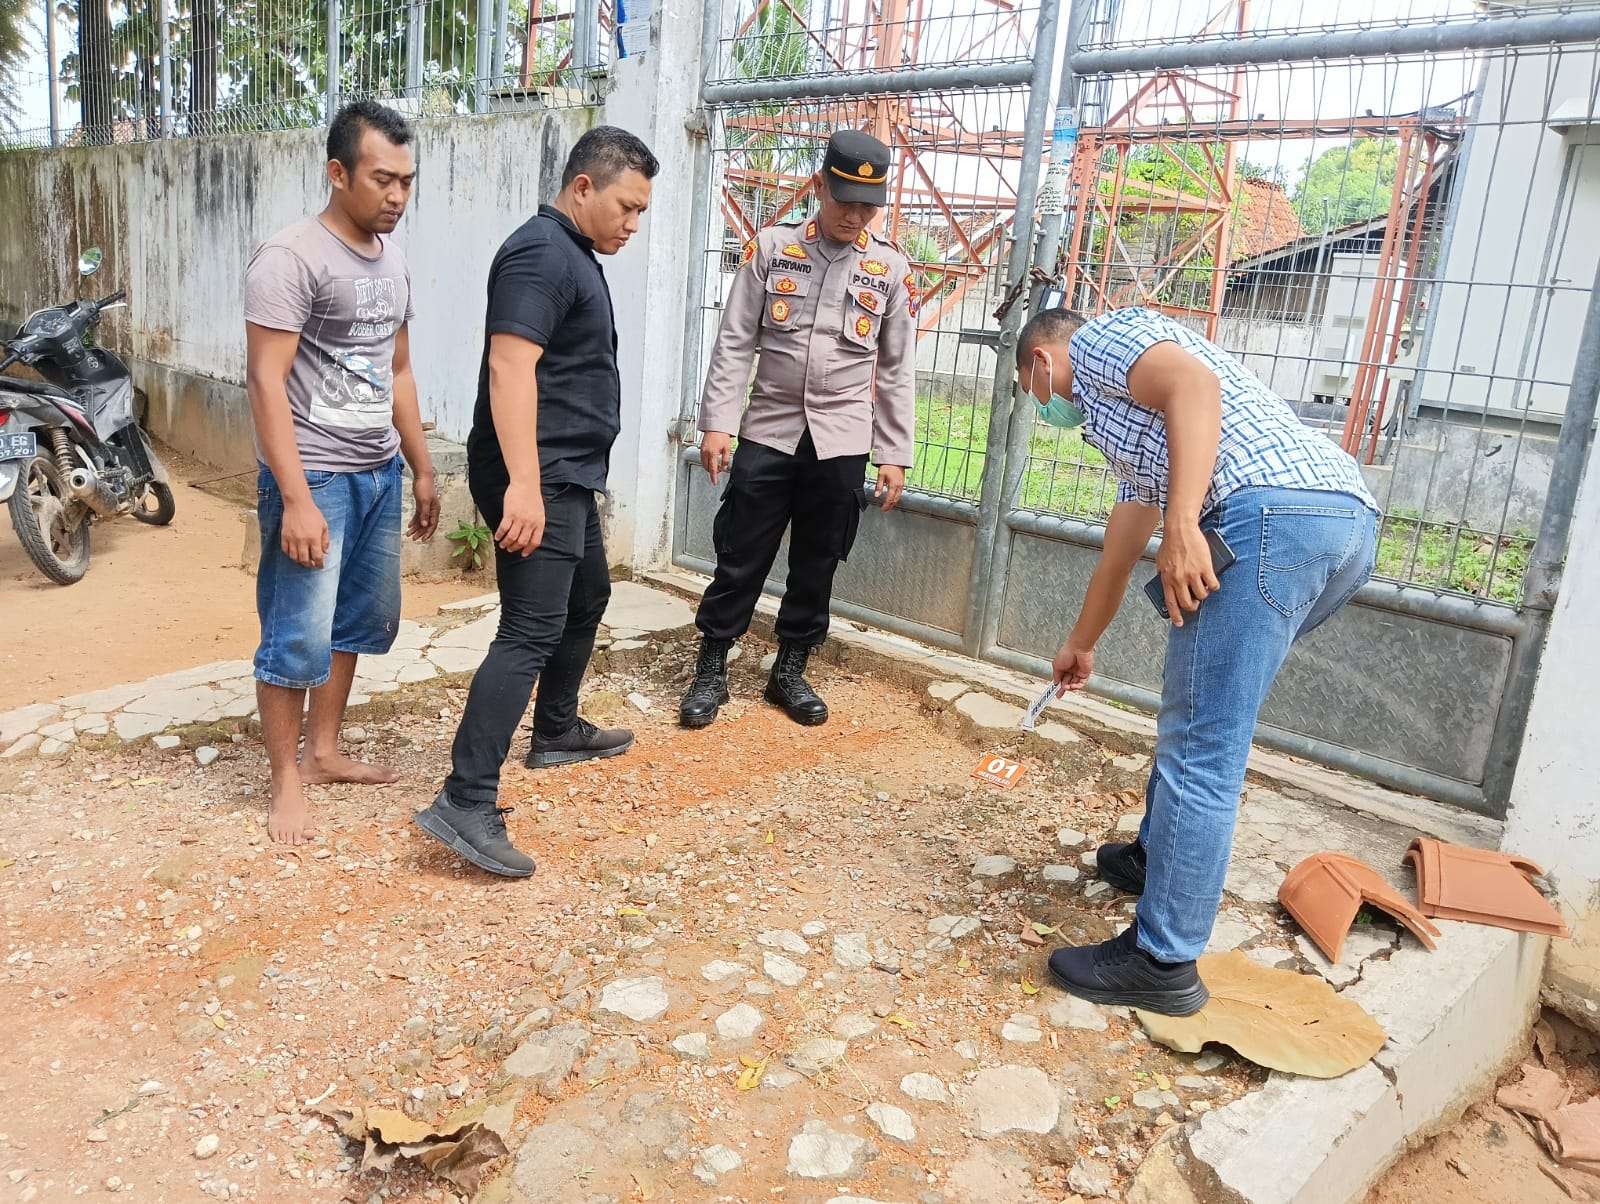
<point>326,307</point>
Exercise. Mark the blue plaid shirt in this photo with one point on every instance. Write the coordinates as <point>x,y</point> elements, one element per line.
<point>1263,442</point>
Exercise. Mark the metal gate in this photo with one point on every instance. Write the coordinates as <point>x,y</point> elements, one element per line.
<point>1388,250</point>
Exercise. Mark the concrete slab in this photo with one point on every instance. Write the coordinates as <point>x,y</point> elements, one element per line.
<point>1457,1018</point>
<point>639,608</point>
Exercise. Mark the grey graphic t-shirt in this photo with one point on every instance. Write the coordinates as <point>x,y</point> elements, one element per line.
<point>346,308</point>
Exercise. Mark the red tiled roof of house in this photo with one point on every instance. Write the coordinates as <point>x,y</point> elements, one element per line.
<point>1265,220</point>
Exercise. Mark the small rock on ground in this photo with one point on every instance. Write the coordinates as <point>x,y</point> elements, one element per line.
<point>818,1152</point>
<point>641,1000</point>
<point>892,1122</point>
<point>696,1047</point>
<point>1021,1028</point>
<point>816,1055</point>
<point>784,941</point>
<point>1068,1011</point>
<point>738,1023</point>
<point>1090,1178</point>
<point>925,1087</point>
<point>997,866</point>
<point>954,927</point>
<point>1011,1099</point>
<point>850,951</point>
<point>783,971</point>
<point>716,1161</point>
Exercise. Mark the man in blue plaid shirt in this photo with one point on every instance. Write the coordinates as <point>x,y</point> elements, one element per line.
<point>1197,444</point>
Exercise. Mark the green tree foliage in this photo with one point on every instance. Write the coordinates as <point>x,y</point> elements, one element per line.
<point>1355,181</point>
<point>15,39</point>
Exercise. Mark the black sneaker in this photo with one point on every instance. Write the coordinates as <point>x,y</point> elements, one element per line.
<point>1122,865</point>
<point>1119,972</point>
<point>583,741</point>
<point>477,833</point>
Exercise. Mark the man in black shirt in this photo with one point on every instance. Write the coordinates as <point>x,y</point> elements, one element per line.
<point>549,408</point>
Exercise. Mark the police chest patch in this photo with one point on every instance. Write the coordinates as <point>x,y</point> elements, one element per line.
<point>779,264</point>
<point>868,301</point>
<point>795,251</point>
<point>878,284</point>
<point>781,310</point>
<point>874,267</point>
<point>863,326</point>
<point>785,284</point>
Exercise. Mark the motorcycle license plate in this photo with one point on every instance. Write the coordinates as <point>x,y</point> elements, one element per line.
<point>19,445</point>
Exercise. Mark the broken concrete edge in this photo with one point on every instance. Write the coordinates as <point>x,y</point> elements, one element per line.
<point>907,663</point>
<point>1311,1141</point>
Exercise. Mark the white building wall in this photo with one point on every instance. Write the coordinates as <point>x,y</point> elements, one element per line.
<point>1522,251</point>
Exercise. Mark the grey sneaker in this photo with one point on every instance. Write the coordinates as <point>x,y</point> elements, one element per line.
<point>583,741</point>
<point>477,833</point>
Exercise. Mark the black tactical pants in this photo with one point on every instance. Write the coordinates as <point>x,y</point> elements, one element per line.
<point>820,501</point>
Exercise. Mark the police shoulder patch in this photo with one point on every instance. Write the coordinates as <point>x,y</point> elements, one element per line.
<point>863,241</point>
<point>749,253</point>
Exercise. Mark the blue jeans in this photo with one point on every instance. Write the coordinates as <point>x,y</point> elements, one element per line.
<point>1301,555</point>
<point>350,604</point>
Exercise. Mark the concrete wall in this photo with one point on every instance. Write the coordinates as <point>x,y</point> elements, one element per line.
<point>1554,814</point>
<point>178,219</point>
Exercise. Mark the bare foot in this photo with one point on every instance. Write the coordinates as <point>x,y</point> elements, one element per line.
<point>286,815</point>
<point>322,771</point>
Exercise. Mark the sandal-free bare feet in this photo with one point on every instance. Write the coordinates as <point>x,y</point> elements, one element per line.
<point>323,771</point>
<point>286,815</point>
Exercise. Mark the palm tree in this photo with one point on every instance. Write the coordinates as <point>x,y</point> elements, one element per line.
<point>15,38</point>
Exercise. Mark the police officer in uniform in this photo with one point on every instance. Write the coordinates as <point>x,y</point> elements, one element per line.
<point>830,309</point>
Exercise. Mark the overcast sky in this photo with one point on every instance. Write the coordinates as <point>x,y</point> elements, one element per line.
<point>1382,86</point>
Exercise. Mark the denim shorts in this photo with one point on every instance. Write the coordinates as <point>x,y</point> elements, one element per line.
<point>350,604</point>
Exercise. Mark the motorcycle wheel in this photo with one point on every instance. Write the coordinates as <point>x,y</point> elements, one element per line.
<point>52,528</point>
<point>156,505</point>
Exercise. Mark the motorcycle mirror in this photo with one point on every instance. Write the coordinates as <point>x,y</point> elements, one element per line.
<point>89,262</point>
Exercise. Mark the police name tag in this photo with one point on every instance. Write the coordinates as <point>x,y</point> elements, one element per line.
<point>998,771</point>
<point>1037,709</point>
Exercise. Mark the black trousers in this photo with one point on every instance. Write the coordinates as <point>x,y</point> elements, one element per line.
<point>820,501</point>
<point>551,602</point>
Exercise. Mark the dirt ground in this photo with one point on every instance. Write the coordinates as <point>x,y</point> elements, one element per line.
<point>155,599</point>
<point>173,977</point>
<point>1491,1155</point>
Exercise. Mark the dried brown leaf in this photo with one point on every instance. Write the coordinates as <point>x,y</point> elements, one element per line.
<point>1276,1018</point>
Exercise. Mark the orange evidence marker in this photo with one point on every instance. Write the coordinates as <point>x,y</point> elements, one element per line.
<point>998,771</point>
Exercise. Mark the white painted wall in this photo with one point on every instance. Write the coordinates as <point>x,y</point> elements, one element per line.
<point>1554,815</point>
<point>653,96</point>
<point>1525,242</point>
<point>179,219</point>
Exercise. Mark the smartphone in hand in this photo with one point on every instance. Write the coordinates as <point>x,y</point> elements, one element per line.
<point>1221,557</point>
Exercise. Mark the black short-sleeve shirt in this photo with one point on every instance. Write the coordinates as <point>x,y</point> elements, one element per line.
<point>546,286</point>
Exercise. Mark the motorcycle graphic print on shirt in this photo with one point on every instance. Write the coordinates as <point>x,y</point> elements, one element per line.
<point>355,390</point>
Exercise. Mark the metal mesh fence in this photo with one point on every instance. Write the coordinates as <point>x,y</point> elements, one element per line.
<point>1396,245</point>
<point>953,180</point>
<point>952,205</point>
<point>97,72</point>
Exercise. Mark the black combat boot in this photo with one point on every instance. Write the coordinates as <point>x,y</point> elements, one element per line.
<point>709,689</point>
<point>788,688</point>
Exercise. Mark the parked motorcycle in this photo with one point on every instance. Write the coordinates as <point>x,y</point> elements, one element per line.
<point>71,451</point>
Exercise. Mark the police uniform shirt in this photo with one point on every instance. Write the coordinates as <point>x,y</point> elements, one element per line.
<point>835,326</point>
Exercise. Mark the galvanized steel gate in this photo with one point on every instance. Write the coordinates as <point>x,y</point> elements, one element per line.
<point>1418,684</point>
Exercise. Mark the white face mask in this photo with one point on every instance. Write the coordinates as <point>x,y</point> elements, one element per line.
<point>1058,411</point>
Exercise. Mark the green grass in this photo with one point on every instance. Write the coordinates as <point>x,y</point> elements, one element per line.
<point>1453,556</point>
<point>1064,476</point>
<point>1067,476</point>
